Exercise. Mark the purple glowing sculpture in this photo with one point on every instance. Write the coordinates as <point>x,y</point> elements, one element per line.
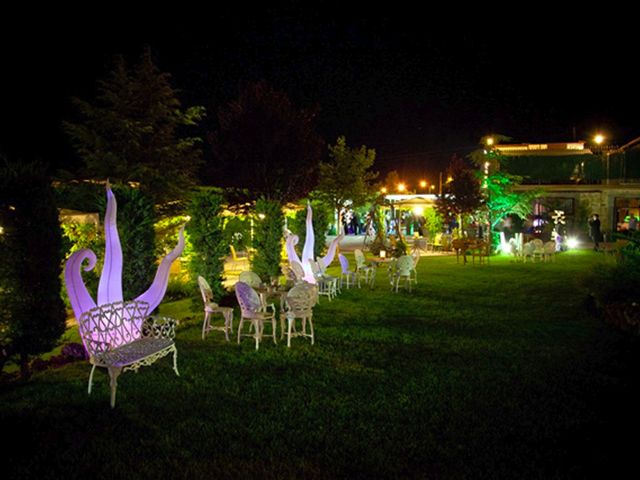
<point>307,252</point>
<point>110,286</point>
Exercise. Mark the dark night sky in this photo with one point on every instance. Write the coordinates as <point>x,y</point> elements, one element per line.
<point>415,87</point>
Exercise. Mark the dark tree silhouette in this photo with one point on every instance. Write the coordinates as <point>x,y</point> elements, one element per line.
<point>462,195</point>
<point>266,144</point>
<point>32,315</point>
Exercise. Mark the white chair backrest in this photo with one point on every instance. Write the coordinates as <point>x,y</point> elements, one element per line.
<point>550,247</point>
<point>315,268</point>
<point>528,249</point>
<point>321,265</point>
<point>301,298</point>
<point>537,243</point>
<point>248,299</point>
<point>404,265</point>
<point>344,263</point>
<point>416,258</point>
<point>359,256</point>
<point>250,278</point>
<point>297,270</point>
<point>205,290</point>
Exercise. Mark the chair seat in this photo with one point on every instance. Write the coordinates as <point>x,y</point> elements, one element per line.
<point>134,352</point>
<point>258,315</point>
<point>214,308</point>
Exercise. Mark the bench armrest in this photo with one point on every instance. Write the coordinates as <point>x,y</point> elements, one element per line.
<point>159,327</point>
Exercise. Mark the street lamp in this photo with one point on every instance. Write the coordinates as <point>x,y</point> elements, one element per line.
<point>423,184</point>
<point>599,139</point>
<point>402,187</point>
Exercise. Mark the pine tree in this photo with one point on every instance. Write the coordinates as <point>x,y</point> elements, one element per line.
<point>134,132</point>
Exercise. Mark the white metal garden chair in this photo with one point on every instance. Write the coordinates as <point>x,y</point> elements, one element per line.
<point>346,274</point>
<point>416,258</point>
<point>210,307</point>
<point>404,267</point>
<point>326,285</point>
<point>334,282</point>
<point>538,249</point>
<point>549,251</point>
<point>121,336</point>
<point>362,269</point>
<point>299,304</point>
<point>528,250</point>
<point>252,310</point>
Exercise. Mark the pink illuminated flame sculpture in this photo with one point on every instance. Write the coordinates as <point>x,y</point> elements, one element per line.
<point>307,252</point>
<point>110,286</point>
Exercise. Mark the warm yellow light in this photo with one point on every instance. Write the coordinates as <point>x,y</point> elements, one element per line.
<point>423,184</point>
<point>402,187</point>
<point>598,139</point>
<point>419,211</point>
<point>449,179</point>
<point>383,190</point>
<point>432,187</point>
<point>489,141</point>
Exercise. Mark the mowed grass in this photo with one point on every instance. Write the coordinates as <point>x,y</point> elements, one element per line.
<point>491,371</point>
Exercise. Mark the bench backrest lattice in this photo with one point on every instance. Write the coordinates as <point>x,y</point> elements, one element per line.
<point>112,325</point>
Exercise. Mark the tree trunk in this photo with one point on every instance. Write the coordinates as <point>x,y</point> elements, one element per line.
<point>25,371</point>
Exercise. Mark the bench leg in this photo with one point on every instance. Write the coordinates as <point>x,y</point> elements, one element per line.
<point>175,361</point>
<point>114,372</point>
<point>93,369</point>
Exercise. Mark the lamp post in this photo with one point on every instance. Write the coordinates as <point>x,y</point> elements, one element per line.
<point>598,140</point>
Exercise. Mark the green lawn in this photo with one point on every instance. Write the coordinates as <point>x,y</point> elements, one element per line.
<point>483,372</point>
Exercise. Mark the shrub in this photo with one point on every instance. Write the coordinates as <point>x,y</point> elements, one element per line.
<point>74,351</point>
<point>268,238</point>
<point>136,218</point>
<point>207,239</point>
<point>615,290</point>
<point>178,289</point>
<point>32,315</point>
<point>321,220</point>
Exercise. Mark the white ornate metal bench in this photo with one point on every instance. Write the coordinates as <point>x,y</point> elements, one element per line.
<point>121,336</point>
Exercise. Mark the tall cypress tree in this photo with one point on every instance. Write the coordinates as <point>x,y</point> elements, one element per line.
<point>32,315</point>
<point>268,239</point>
<point>134,131</point>
<point>206,232</point>
<point>136,219</point>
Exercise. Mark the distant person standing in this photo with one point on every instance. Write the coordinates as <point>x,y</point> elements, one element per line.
<point>594,230</point>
